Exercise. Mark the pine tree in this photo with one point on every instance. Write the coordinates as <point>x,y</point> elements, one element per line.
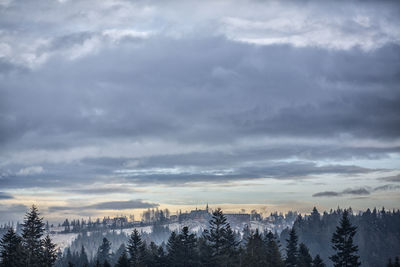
<point>103,253</point>
<point>174,248</point>
<point>123,260</point>
<point>189,248</point>
<point>49,256</point>
<point>217,238</point>
<point>136,249</point>
<point>291,249</point>
<point>205,251</point>
<point>254,252</point>
<point>32,231</point>
<point>396,262</point>
<point>11,252</point>
<point>231,248</point>
<point>273,255</point>
<point>106,263</point>
<point>318,262</point>
<point>83,258</point>
<point>342,244</point>
<point>305,259</point>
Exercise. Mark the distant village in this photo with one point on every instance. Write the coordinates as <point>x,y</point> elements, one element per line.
<point>274,221</point>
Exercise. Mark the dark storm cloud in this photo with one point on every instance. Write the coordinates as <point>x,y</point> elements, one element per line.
<point>4,195</point>
<point>111,205</point>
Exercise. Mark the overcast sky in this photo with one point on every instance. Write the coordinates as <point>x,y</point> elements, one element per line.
<point>110,107</point>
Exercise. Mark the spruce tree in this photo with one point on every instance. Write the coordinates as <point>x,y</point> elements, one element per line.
<point>255,252</point>
<point>32,232</point>
<point>49,256</point>
<point>273,255</point>
<point>189,248</point>
<point>305,259</point>
<point>174,248</point>
<point>291,249</point>
<point>342,243</point>
<point>217,238</point>
<point>231,247</point>
<point>83,258</point>
<point>123,260</point>
<point>136,249</point>
<point>318,262</point>
<point>11,251</point>
<point>106,263</point>
<point>205,251</point>
<point>104,251</point>
<point>396,262</point>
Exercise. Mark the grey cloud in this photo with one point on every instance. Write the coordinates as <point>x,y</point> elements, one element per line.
<point>326,194</point>
<point>387,187</point>
<point>4,195</point>
<point>86,175</point>
<point>395,178</point>
<point>348,191</point>
<point>102,191</point>
<point>358,191</point>
<point>192,85</point>
<point>111,205</point>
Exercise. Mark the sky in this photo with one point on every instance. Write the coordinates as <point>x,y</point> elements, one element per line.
<point>115,106</point>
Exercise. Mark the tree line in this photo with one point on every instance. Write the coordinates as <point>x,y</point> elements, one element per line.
<point>217,246</point>
<point>33,248</point>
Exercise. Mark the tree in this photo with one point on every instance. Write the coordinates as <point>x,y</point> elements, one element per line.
<point>291,249</point>
<point>103,253</point>
<point>32,231</point>
<point>106,263</point>
<point>318,262</point>
<point>396,262</point>
<point>11,251</point>
<point>189,248</point>
<point>123,260</point>
<point>342,243</point>
<point>217,238</point>
<point>136,249</point>
<point>83,258</point>
<point>174,248</point>
<point>254,252</point>
<point>49,256</point>
<point>273,255</point>
<point>305,259</point>
<point>231,247</point>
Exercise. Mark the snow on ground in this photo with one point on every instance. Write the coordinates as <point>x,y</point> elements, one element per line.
<point>195,226</point>
<point>63,240</point>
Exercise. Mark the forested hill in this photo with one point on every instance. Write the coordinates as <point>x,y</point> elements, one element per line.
<point>377,237</point>
<point>338,238</point>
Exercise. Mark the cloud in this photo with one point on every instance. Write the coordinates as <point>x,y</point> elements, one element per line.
<point>326,194</point>
<point>111,205</point>
<point>150,93</point>
<point>357,191</point>
<point>387,187</point>
<point>395,178</point>
<point>4,195</point>
<point>348,191</point>
<point>30,170</point>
